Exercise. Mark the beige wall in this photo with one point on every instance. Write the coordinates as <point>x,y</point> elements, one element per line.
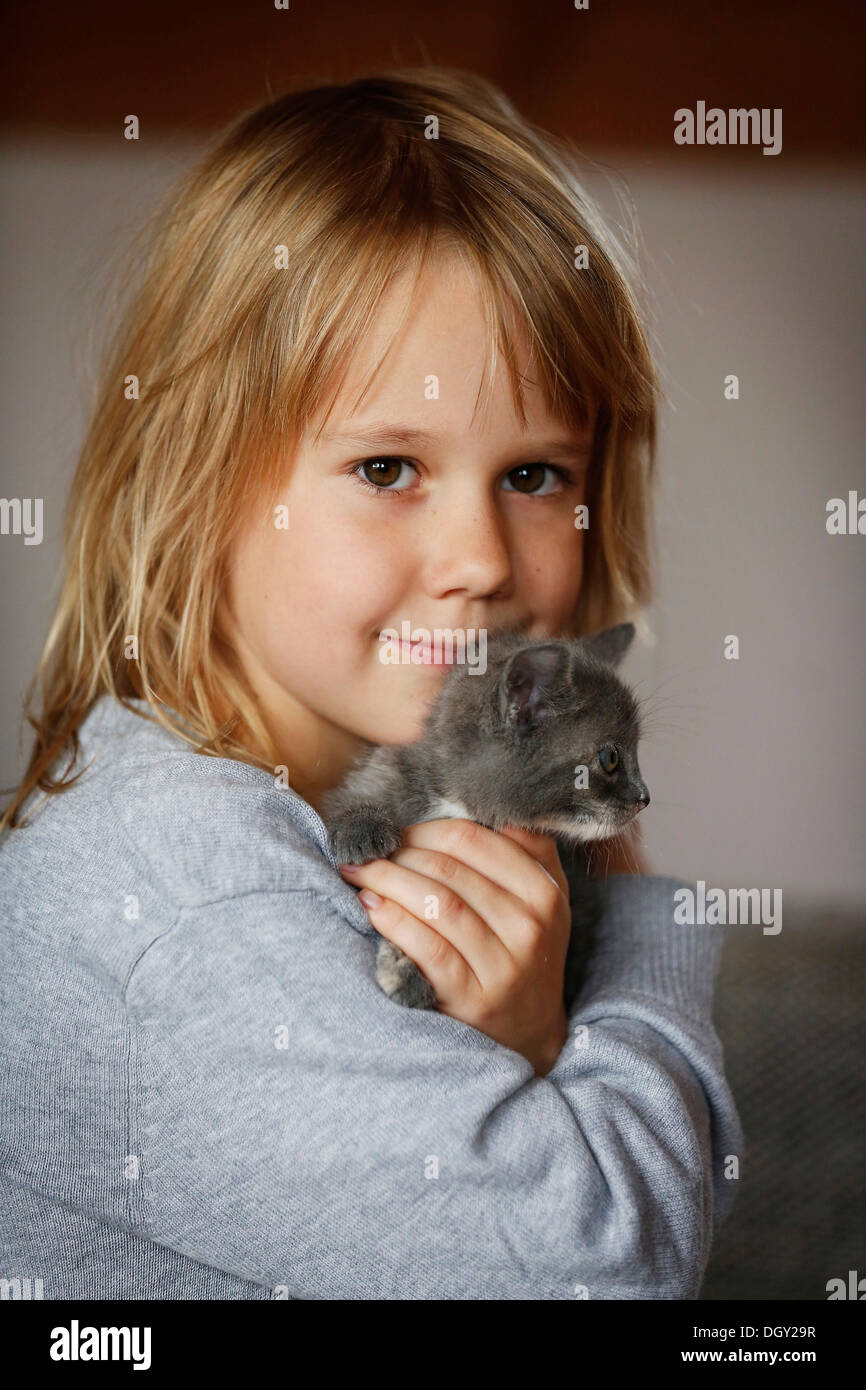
<point>757,767</point>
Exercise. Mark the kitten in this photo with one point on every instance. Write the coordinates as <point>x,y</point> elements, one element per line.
<point>505,748</point>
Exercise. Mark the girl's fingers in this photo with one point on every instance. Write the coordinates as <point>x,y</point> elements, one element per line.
<point>543,850</point>
<point>512,918</point>
<point>429,899</point>
<point>522,862</point>
<point>440,962</point>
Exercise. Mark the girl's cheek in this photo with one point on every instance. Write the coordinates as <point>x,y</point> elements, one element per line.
<point>375,566</point>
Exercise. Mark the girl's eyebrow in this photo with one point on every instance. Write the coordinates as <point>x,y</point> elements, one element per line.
<point>382,436</point>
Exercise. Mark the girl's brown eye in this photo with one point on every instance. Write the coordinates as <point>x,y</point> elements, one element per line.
<point>383,471</point>
<point>528,477</point>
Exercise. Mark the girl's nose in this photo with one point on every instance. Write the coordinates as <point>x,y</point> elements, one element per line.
<point>466,549</point>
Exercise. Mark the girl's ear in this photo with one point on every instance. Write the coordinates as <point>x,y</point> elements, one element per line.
<point>611,645</point>
<point>530,682</point>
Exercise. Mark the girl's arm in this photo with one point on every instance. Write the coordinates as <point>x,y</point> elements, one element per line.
<point>299,1129</point>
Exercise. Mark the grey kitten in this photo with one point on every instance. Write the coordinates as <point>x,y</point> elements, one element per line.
<point>505,748</point>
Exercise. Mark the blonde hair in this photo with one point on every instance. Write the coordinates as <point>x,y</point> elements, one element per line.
<point>236,356</point>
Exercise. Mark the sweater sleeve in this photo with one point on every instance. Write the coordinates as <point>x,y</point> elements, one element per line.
<point>299,1129</point>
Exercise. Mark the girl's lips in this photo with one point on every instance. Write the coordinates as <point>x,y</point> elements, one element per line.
<point>423,654</point>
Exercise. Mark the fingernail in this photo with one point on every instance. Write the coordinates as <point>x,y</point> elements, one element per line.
<point>350,869</point>
<point>370,899</point>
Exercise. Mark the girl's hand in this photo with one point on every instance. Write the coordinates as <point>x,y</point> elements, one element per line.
<point>495,954</point>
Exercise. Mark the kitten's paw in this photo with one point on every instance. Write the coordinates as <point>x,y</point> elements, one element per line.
<point>401,979</point>
<point>362,834</point>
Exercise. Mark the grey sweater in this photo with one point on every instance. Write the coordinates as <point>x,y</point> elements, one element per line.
<point>204,1094</point>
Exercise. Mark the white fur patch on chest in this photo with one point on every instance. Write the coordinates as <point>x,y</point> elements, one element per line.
<point>573,829</point>
<point>445,810</point>
<point>569,826</point>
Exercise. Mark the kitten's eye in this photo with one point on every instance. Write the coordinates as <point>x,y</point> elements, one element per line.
<point>529,478</point>
<point>609,758</point>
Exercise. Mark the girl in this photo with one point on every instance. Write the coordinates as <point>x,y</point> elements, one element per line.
<point>382,352</point>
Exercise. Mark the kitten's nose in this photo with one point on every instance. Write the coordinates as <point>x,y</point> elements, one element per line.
<point>642,800</point>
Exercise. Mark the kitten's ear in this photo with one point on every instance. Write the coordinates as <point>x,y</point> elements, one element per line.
<point>529,682</point>
<point>611,645</point>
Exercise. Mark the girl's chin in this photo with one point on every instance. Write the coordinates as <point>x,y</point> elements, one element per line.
<point>397,733</point>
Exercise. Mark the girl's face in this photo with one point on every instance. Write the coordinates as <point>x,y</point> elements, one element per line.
<point>403,512</point>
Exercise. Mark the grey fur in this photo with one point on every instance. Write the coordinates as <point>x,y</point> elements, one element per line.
<point>505,746</point>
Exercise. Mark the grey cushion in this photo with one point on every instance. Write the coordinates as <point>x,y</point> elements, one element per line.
<point>790,1014</point>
